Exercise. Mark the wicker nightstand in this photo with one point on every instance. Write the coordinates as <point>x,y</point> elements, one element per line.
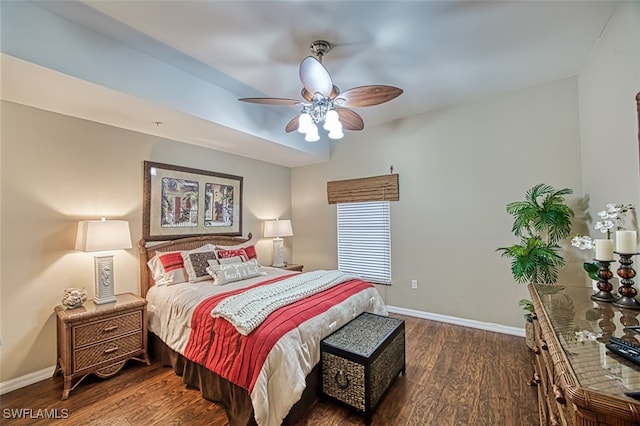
<point>360,360</point>
<point>292,267</point>
<point>99,339</point>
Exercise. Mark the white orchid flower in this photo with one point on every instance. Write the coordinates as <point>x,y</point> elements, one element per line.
<point>582,242</point>
<point>614,208</point>
<point>604,226</point>
<point>577,242</point>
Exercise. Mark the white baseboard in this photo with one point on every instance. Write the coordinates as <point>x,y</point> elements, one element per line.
<point>31,378</point>
<point>26,380</point>
<point>488,326</point>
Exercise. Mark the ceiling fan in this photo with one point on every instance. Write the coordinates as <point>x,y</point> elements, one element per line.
<point>323,101</point>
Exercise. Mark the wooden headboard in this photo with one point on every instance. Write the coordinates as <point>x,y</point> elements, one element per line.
<point>189,243</point>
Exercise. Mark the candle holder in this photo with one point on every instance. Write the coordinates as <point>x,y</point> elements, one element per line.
<point>603,312</point>
<point>626,290</point>
<point>604,286</point>
<point>629,320</point>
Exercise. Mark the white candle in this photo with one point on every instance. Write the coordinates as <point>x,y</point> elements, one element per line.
<point>626,242</point>
<point>604,249</point>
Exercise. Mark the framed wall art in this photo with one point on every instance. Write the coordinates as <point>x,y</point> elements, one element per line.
<point>182,202</point>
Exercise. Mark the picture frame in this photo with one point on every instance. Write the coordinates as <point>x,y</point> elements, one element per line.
<point>182,202</point>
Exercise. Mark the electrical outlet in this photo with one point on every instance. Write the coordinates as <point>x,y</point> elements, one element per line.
<point>414,284</point>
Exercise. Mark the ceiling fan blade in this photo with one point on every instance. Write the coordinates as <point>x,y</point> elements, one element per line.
<point>364,96</point>
<point>293,124</point>
<point>350,120</point>
<point>308,96</point>
<point>271,101</point>
<point>314,77</point>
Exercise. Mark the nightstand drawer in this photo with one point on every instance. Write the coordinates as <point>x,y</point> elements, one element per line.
<point>106,329</point>
<point>92,356</point>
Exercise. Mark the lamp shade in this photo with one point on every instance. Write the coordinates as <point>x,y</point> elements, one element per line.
<point>103,235</point>
<point>278,228</point>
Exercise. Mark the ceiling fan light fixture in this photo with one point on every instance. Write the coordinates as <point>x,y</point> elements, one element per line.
<point>304,122</point>
<point>331,120</point>
<point>312,134</point>
<point>336,133</point>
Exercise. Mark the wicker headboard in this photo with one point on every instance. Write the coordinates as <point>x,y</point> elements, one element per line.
<point>189,243</point>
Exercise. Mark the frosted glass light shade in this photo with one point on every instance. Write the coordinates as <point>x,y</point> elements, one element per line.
<point>304,123</point>
<point>331,120</point>
<point>336,133</point>
<point>312,134</point>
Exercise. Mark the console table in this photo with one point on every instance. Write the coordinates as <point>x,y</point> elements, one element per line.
<point>580,382</point>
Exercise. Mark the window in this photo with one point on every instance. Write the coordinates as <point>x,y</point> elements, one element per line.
<point>364,240</point>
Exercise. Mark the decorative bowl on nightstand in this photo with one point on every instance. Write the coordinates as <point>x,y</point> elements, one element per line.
<point>74,297</point>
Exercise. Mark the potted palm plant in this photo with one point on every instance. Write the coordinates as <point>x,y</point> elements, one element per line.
<point>541,221</point>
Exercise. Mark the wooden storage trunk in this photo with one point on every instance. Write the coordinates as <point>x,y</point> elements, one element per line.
<point>360,360</point>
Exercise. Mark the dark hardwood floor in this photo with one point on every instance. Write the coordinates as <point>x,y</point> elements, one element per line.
<point>455,376</point>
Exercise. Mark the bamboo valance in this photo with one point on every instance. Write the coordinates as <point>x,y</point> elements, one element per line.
<point>376,188</point>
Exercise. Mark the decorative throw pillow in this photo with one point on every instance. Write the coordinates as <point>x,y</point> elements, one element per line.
<point>223,254</point>
<point>249,249</point>
<point>168,267</point>
<point>227,260</point>
<point>251,252</point>
<point>196,265</point>
<point>224,274</point>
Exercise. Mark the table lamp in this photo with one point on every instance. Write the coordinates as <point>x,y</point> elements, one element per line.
<point>278,229</point>
<point>102,237</point>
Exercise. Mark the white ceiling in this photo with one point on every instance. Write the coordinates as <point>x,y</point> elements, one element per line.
<point>440,52</point>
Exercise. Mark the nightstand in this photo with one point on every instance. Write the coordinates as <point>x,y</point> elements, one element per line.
<point>292,267</point>
<point>99,339</point>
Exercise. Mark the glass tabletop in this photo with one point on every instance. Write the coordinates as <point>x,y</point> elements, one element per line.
<point>583,327</point>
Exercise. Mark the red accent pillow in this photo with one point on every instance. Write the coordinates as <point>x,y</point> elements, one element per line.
<point>168,268</point>
<point>224,254</point>
<point>172,261</point>
<point>251,252</point>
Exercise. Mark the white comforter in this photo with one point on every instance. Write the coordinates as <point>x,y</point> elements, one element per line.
<point>282,378</point>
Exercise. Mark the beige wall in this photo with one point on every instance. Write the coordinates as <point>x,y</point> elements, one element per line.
<point>458,168</point>
<point>56,170</point>
<point>608,119</point>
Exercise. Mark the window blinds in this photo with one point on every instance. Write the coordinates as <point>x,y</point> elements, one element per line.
<point>364,240</point>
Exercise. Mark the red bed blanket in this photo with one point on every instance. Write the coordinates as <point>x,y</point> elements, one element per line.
<point>217,345</point>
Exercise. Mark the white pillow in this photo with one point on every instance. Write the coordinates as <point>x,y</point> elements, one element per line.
<point>227,273</point>
<point>227,260</point>
<point>168,267</point>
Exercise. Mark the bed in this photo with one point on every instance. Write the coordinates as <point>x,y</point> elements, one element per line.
<point>247,340</point>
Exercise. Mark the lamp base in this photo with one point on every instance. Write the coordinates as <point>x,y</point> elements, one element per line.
<point>104,291</point>
<point>278,253</point>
